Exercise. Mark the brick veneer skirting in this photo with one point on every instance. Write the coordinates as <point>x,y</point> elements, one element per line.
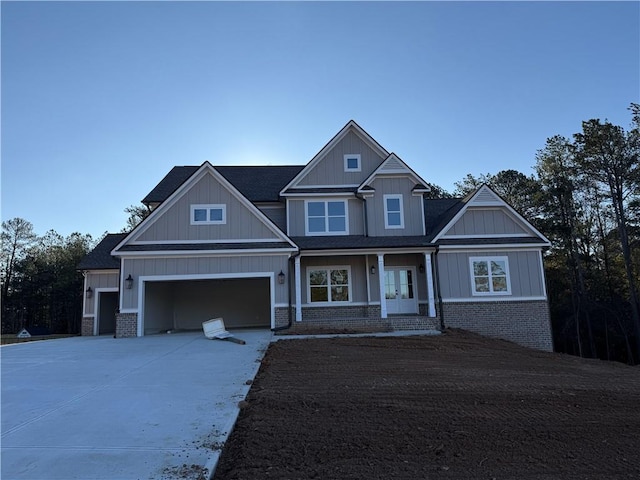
<point>525,323</point>
<point>365,318</point>
<point>126,325</point>
<point>86,328</point>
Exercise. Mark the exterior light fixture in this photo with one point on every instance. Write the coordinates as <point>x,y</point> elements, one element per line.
<point>281,277</point>
<point>89,292</point>
<point>421,268</point>
<point>128,282</point>
<point>373,269</point>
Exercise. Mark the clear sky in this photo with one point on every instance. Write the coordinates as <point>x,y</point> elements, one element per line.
<point>100,100</point>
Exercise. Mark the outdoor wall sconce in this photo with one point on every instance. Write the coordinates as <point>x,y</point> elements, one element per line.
<point>421,268</point>
<point>89,292</point>
<point>373,269</point>
<point>281,277</point>
<point>128,282</point>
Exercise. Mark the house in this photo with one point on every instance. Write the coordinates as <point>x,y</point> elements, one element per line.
<point>348,240</point>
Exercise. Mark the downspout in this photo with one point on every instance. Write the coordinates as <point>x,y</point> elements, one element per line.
<point>289,284</point>
<point>366,223</point>
<point>437,272</point>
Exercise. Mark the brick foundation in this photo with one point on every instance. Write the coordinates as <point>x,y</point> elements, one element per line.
<point>86,328</point>
<point>524,323</point>
<point>126,325</point>
<point>363,318</point>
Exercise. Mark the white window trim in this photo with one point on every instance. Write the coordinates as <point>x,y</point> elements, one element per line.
<point>328,270</point>
<point>208,207</point>
<point>352,155</point>
<point>386,211</point>
<point>488,260</point>
<point>326,232</point>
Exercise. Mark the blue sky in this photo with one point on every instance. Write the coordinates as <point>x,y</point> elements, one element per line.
<point>100,100</point>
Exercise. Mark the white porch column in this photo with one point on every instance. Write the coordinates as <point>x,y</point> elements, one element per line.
<point>383,298</point>
<point>298,290</point>
<point>430,295</point>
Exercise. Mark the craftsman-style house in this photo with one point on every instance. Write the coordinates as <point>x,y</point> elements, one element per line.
<point>348,240</point>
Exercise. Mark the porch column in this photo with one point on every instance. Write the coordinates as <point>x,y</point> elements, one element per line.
<point>383,298</point>
<point>430,295</point>
<point>298,289</point>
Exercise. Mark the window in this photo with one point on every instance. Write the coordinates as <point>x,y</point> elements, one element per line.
<point>490,276</point>
<point>352,162</point>
<point>326,217</point>
<point>208,214</point>
<point>328,285</point>
<point>393,213</point>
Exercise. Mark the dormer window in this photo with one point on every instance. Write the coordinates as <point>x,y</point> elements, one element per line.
<point>208,214</point>
<point>352,162</point>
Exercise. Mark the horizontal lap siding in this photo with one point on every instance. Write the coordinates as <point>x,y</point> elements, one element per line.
<point>524,270</point>
<point>195,266</point>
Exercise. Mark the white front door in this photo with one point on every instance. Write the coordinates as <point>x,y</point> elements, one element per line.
<point>400,290</point>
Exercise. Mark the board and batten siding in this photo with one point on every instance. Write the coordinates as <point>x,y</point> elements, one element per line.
<point>412,207</point>
<point>330,170</point>
<point>175,223</point>
<point>203,267</point>
<point>486,222</point>
<point>99,280</point>
<point>525,271</point>
<point>297,217</point>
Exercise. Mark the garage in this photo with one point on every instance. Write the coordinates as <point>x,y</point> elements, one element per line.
<point>185,304</point>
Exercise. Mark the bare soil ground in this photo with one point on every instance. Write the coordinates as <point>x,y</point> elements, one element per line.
<point>455,406</point>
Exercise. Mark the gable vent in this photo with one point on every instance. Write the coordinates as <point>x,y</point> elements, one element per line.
<point>392,165</point>
<point>486,197</point>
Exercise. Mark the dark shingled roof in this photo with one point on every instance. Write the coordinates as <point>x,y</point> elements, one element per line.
<point>491,241</point>
<point>100,257</point>
<point>438,212</point>
<point>169,247</point>
<point>358,242</point>
<point>257,183</point>
<point>323,190</point>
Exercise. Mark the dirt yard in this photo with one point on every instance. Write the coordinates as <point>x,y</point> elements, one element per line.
<point>455,406</point>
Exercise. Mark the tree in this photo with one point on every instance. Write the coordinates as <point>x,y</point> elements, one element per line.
<point>137,213</point>
<point>611,158</point>
<point>17,236</point>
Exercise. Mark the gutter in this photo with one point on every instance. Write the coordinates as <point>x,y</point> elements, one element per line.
<point>290,286</point>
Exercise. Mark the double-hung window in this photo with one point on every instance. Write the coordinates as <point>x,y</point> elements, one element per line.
<point>326,217</point>
<point>328,284</point>
<point>393,213</point>
<point>490,276</point>
<point>208,214</point>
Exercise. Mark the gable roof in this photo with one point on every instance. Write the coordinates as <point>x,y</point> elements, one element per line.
<point>351,126</point>
<point>205,168</point>
<point>393,165</point>
<point>484,196</point>
<point>257,183</point>
<point>100,257</point>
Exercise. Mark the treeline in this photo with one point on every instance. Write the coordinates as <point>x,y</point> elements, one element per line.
<point>41,286</point>
<point>584,197</point>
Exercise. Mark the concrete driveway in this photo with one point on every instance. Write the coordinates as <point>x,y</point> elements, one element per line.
<point>155,407</point>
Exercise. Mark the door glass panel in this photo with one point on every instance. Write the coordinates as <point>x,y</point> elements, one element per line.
<point>406,283</point>
<point>389,285</point>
